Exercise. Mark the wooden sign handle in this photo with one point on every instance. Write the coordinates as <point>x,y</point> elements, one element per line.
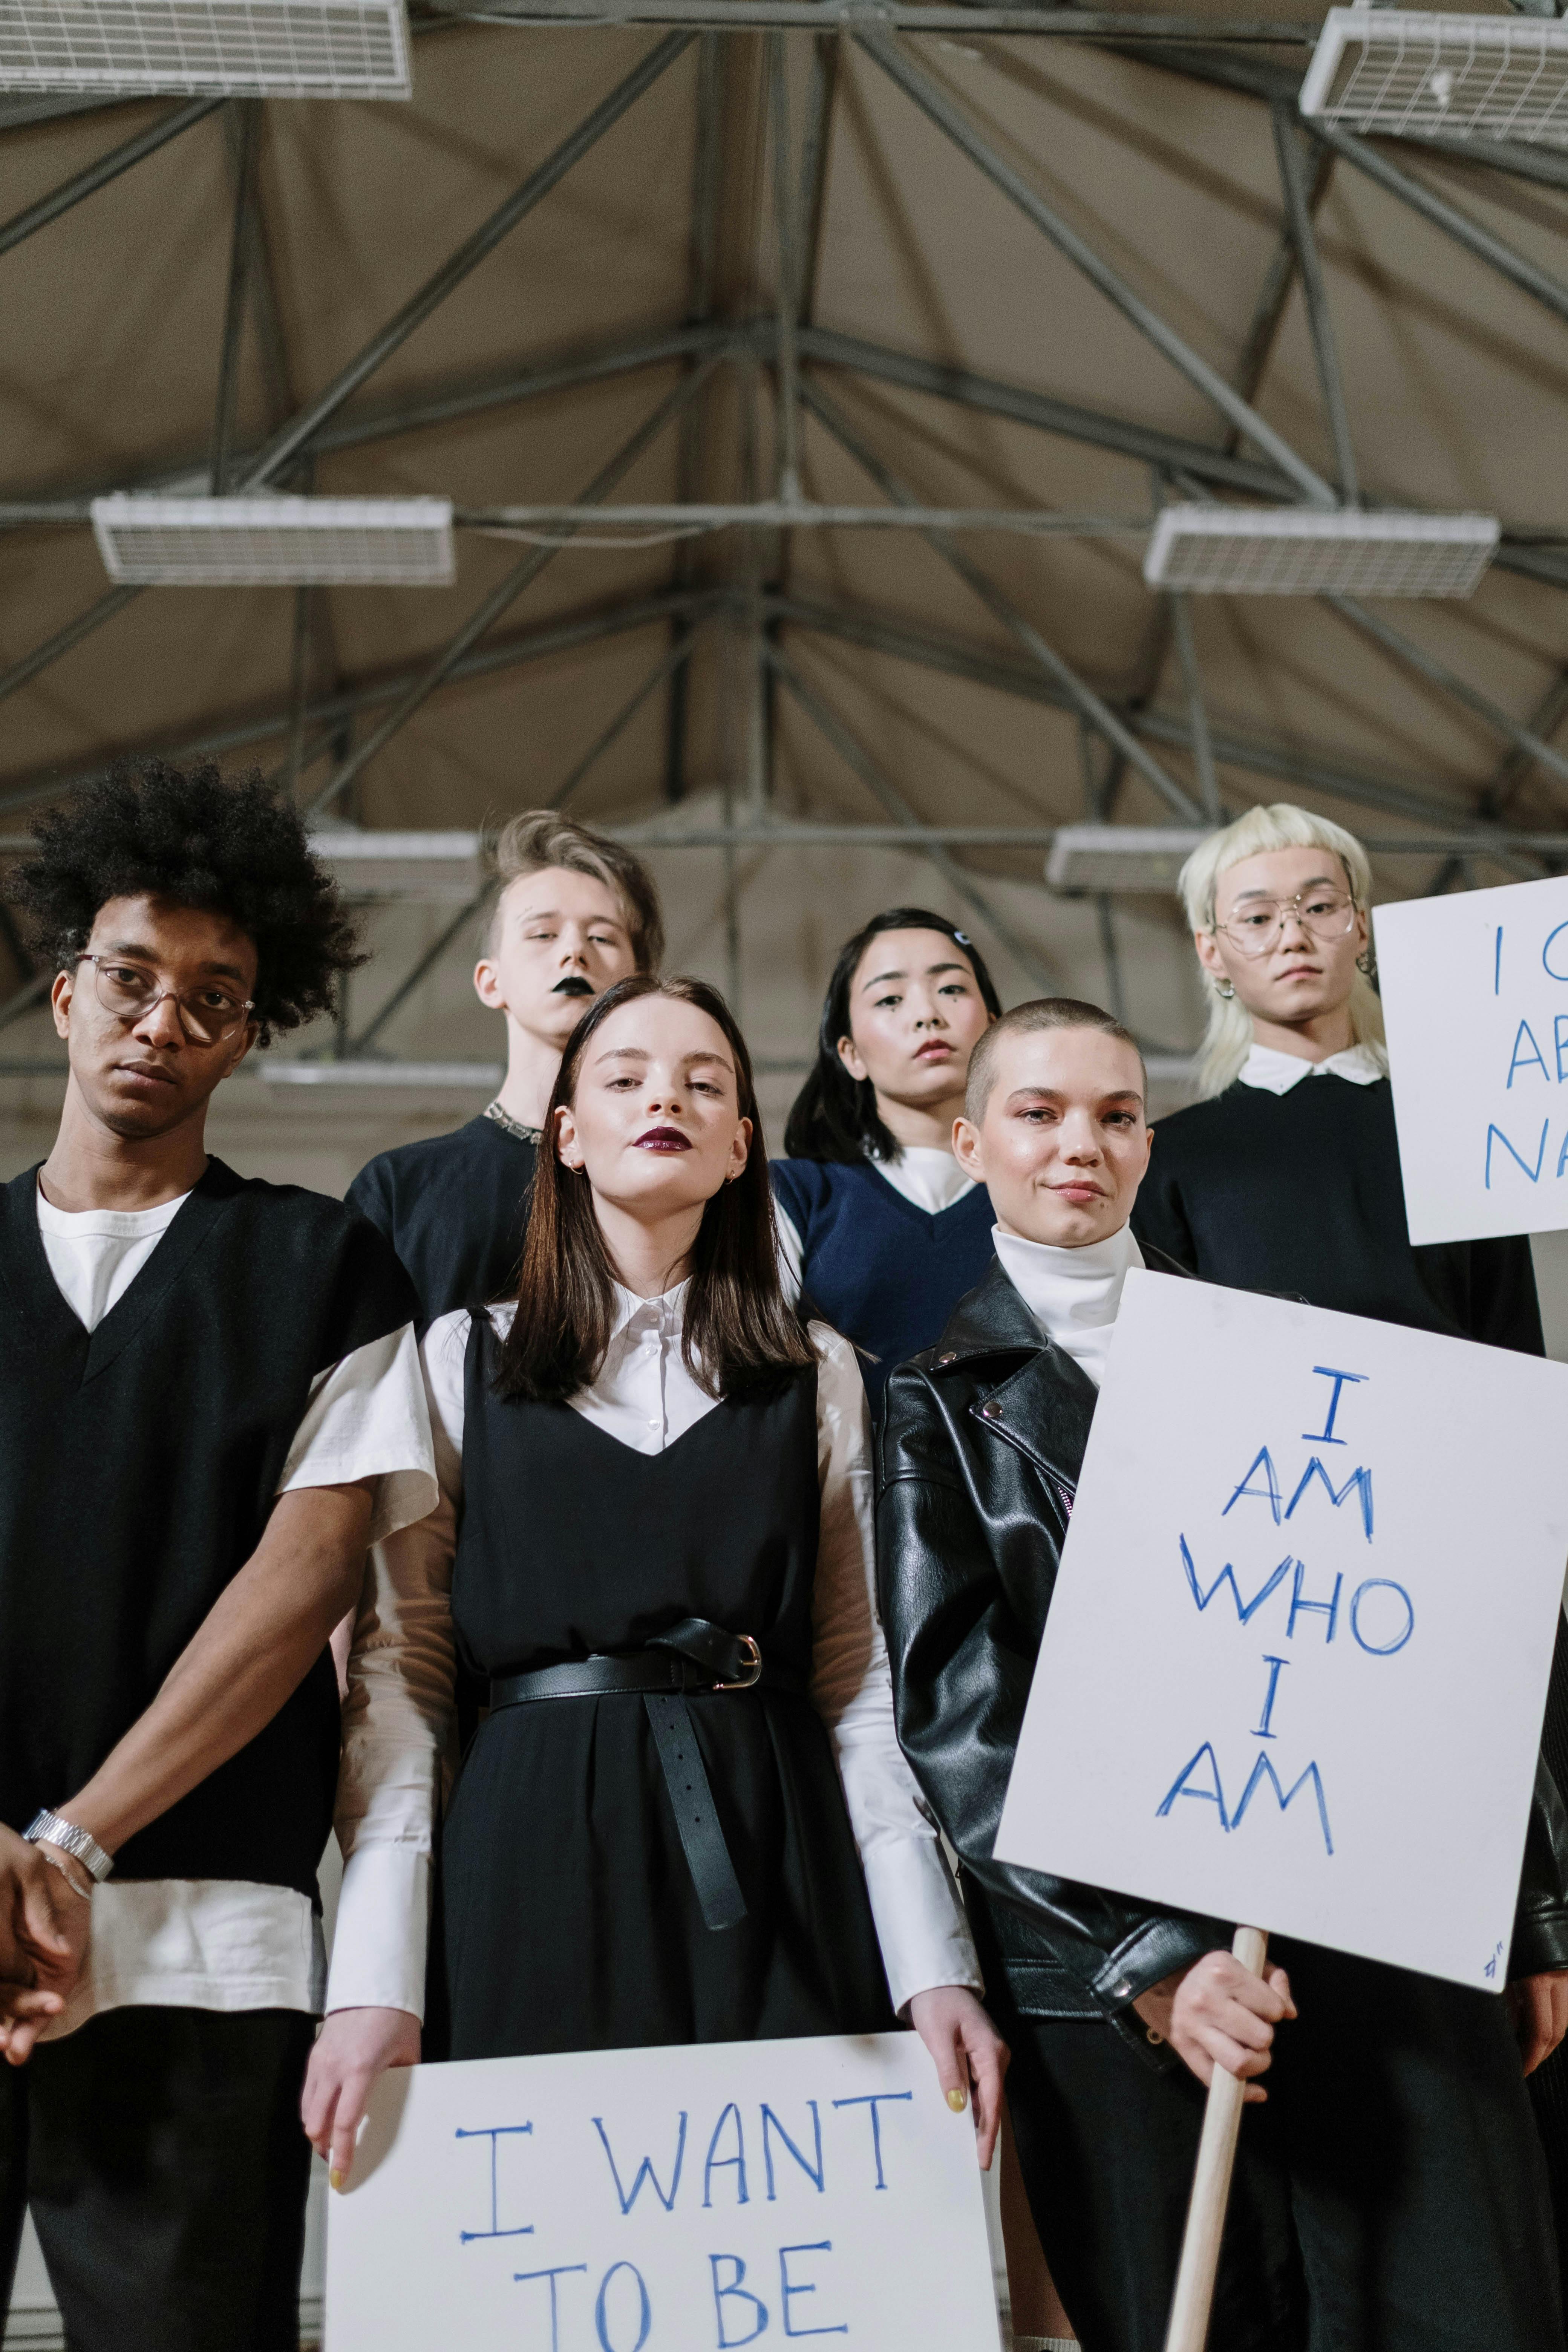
<point>1211,2186</point>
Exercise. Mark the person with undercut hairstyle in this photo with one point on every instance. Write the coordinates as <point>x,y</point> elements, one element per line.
<point>573,912</point>
<point>1389,2193</point>
<point>212,1406</point>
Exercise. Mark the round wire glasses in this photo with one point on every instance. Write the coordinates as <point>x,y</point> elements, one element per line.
<point>129,991</point>
<point>1325,914</point>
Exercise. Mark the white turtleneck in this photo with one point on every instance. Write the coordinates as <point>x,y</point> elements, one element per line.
<point>1072,1294</point>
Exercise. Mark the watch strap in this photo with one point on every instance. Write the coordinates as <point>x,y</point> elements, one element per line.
<point>81,1842</point>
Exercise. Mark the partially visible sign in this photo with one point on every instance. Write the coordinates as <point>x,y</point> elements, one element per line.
<point>687,2199</point>
<point>1475,998</point>
<point>1295,1667</point>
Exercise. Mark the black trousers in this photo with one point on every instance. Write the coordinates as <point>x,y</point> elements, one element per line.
<point>162,2154</point>
<point>1390,2197</point>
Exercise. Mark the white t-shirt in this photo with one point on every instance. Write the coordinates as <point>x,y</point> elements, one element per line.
<point>226,1944</point>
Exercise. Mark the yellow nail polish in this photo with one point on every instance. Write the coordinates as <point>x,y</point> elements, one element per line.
<point>336,2178</point>
<point>957,2102</point>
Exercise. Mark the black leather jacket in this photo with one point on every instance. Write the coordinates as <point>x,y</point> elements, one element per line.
<point>980,1453</point>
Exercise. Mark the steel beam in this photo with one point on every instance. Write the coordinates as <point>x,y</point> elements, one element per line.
<point>423,968</point>
<point>1549,291</point>
<point>1515,764</point>
<point>64,639</point>
<point>491,608</point>
<point>85,183</point>
<point>241,250</point>
<point>993,398</point>
<point>1082,695</point>
<point>470,396</point>
<point>673,660</point>
<point>303,429</point>
<point>694,517</point>
<point>1411,656</point>
<point>1197,712</point>
<point>859,761</point>
<point>982,666</point>
<point>702,269</point>
<point>939,107</point>
<point>904,16</point>
<point>333,712</point>
<point>1320,321</point>
<point>787,377</point>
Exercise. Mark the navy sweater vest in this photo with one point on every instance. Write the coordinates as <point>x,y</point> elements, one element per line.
<point>884,1272</point>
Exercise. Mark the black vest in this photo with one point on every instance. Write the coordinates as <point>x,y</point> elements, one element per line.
<point>571,1543</point>
<point>138,1467</point>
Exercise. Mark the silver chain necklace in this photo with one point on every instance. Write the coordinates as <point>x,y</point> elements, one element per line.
<point>504,1119</point>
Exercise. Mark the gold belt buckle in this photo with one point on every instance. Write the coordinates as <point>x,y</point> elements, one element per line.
<point>755,1663</point>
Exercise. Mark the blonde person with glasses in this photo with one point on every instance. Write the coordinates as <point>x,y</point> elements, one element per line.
<point>1285,1175</point>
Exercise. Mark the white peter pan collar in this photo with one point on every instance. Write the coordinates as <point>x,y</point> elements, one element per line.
<point>1265,1067</point>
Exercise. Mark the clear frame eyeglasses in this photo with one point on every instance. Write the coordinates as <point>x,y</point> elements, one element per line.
<point>1325,914</point>
<point>129,991</point>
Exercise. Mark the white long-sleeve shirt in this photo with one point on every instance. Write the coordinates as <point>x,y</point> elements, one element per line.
<point>401,1671</point>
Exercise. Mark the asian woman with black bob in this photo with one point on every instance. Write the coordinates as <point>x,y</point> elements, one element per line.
<point>655,1538</point>
<point>881,1230</point>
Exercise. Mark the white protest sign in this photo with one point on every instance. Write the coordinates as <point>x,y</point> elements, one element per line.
<point>1296,1662</point>
<point>1475,999</point>
<point>685,2199</point>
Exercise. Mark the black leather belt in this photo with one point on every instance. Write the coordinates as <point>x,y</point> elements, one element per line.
<point>694,1655</point>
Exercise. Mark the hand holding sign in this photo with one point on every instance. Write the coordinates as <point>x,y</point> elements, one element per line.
<point>723,2195</point>
<point>1295,1663</point>
<point>1296,1658</point>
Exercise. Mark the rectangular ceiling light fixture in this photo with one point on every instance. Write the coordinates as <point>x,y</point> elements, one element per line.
<point>1308,552</point>
<point>245,48</point>
<point>431,868</point>
<point>1417,73</point>
<point>268,542</point>
<point>1119,856</point>
<point>423,1078</point>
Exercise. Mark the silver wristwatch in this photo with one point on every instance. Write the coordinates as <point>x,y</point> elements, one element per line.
<point>70,1839</point>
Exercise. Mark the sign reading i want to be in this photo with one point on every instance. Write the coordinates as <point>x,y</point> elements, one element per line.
<point>687,2199</point>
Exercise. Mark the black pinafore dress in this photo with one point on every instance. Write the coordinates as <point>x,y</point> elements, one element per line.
<point>566,1915</point>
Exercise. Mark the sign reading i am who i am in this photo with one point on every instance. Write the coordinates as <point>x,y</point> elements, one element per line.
<point>1295,1667</point>
<point>698,2198</point>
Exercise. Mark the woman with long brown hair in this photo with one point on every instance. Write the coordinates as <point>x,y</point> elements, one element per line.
<point>685,1817</point>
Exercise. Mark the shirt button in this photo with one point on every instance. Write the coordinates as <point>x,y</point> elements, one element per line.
<point>991,1410</point>
<point>948,1356</point>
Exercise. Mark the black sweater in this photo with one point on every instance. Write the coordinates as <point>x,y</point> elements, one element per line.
<point>455,1208</point>
<point>1300,1194</point>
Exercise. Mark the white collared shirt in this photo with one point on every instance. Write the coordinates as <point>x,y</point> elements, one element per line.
<point>1072,1294</point>
<point>398,1708</point>
<point>1266,1067</point>
<point>214,1943</point>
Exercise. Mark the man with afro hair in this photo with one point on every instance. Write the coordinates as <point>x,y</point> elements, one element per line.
<point>211,1407</point>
